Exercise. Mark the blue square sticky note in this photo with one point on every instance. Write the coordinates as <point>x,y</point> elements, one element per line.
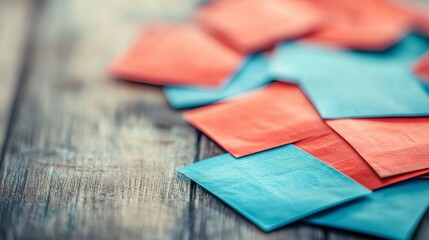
<point>251,75</point>
<point>274,187</point>
<point>393,212</point>
<point>350,84</point>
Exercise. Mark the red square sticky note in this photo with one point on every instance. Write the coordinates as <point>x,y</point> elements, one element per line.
<point>363,24</point>
<point>336,152</point>
<point>252,25</point>
<point>392,146</point>
<point>421,68</point>
<point>176,54</point>
<point>271,117</point>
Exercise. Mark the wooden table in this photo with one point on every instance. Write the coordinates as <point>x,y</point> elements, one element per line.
<point>86,156</point>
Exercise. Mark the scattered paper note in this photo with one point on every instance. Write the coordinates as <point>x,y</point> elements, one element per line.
<point>393,212</point>
<point>421,68</point>
<point>346,84</point>
<point>271,117</point>
<point>176,54</point>
<point>274,187</point>
<point>337,153</point>
<point>392,146</point>
<point>253,25</point>
<point>362,25</point>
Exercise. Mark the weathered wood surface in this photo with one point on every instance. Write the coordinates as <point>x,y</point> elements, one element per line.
<point>87,156</point>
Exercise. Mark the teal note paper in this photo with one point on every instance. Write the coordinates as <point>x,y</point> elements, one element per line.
<point>350,84</point>
<point>251,75</point>
<point>274,187</point>
<point>393,212</point>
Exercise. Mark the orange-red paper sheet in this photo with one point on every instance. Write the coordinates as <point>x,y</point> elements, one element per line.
<point>421,68</point>
<point>392,146</point>
<point>252,25</point>
<point>337,153</point>
<point>420,16</point>
<point>176,54</point>
<point>363,24</point>
<point>271,117</point>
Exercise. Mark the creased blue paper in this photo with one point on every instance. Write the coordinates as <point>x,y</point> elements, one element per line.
<point>251,75</point>
<point>351,84</point>
<point>274,187</point>
<point>393,212</point>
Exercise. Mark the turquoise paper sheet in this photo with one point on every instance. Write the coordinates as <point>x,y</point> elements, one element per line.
<point>350,84</point>
<point>274,187</point>
<point>393,212</point>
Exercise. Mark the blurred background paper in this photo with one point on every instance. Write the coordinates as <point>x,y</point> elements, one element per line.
<point>392,146</point>
<point>254,25</point>
<point>176,54</point>
<point>393,212</point>
<point>271,117</point>
<point>333,150</point>
<point>252,74</point>
<point>274,187</point>
<point>347,84</point>
<point>362,25</point>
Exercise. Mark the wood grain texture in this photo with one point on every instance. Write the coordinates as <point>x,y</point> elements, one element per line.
<point>90,157</point>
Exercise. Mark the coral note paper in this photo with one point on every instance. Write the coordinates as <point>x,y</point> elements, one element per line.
<point>176,54</point>
<point>392,146</point>
<point>251,25</point>
<point>271,117</point>
<point>363,24</point>
<point>421,68</point>
<point>274,187</point>
<point>333,150</point>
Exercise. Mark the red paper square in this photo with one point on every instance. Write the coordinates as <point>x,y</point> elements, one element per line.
<point>176,54</point>
<point>363,24</point>
<point>274,116</point>
<point>252,25</point>
<point>337,153</point>
<point>392,146</point>
<point>421,68</point>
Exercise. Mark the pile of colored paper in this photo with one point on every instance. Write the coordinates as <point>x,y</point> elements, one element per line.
<point>322,106</point>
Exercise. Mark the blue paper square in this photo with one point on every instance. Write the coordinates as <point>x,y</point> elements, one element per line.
<point>251,75</point>
<point>274,187</point>
<point>350,84</point>
<point>393,212</point>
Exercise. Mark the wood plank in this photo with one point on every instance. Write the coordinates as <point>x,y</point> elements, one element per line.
<point>14,17</point>
<point>89,156</point>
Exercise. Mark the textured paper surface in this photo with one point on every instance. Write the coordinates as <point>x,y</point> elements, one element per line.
<point>393,212</point>
<point>176,54</point>
<point>271,117</point>
<point>252,25</point>
<point>274,187</point>
<point>347,84</point>
<point>337,153</point>
<point>391,146</point>
<point>251,75</point>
